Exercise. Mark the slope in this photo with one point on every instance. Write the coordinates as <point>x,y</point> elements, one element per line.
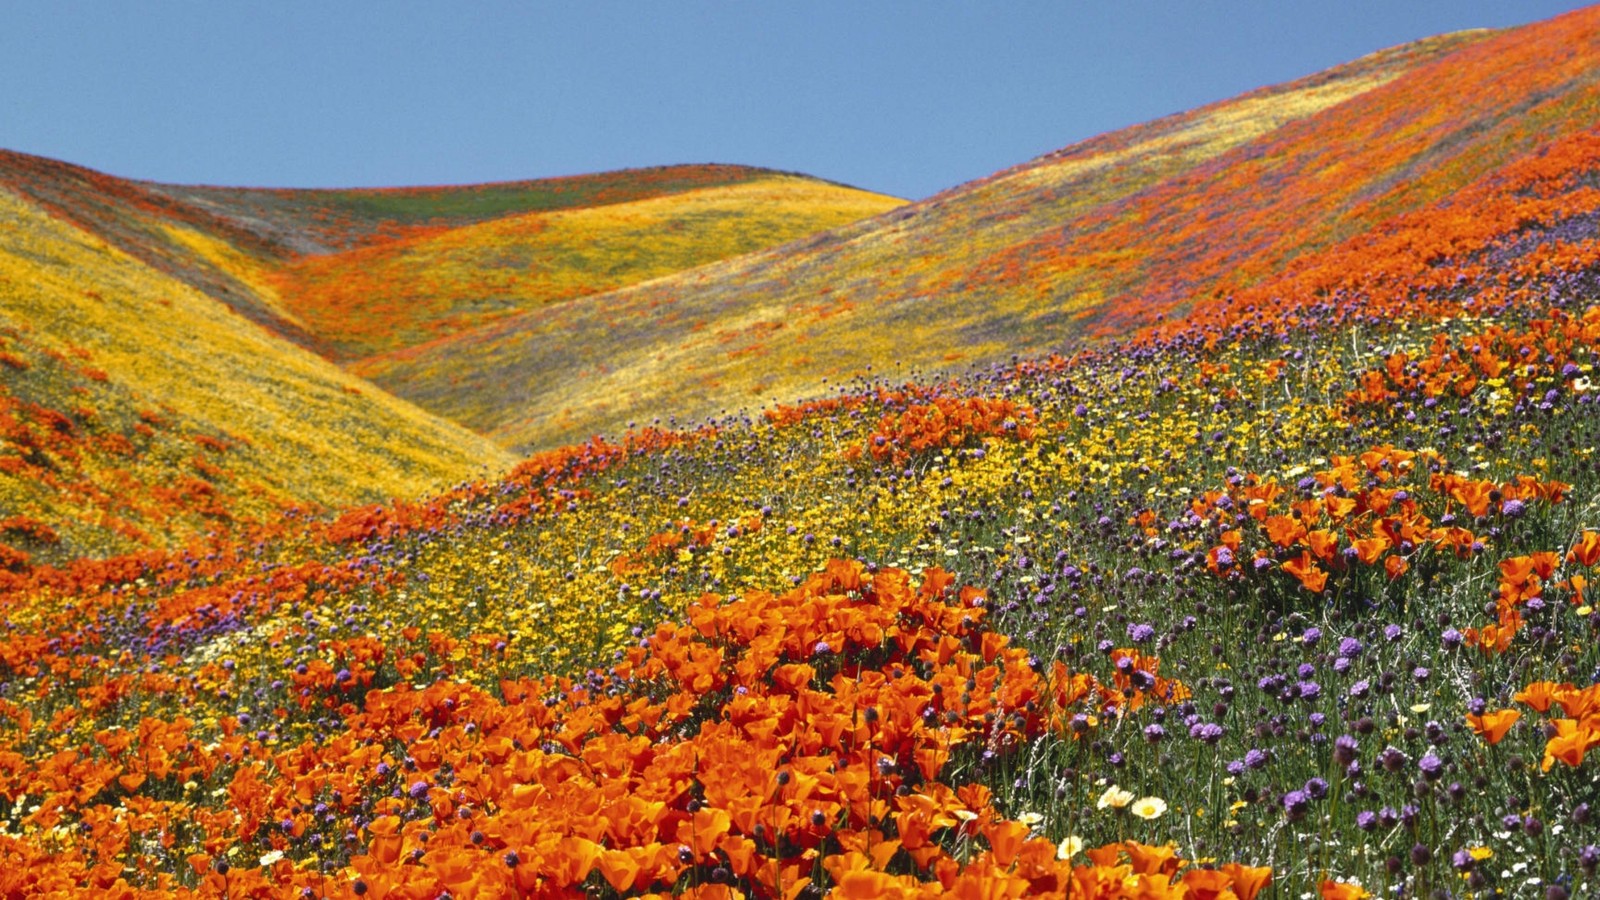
<point>1092,240</point>
<point>138,411</point>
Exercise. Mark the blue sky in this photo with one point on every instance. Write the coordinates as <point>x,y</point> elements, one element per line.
<point>902,97</point>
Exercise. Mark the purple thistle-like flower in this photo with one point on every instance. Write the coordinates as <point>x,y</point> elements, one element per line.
<point>1392,632</point>
<point>1317,788</point>
<point>1140,632</point>
<point>1360,689</point>
<point>1431,765</point>
<point>1392,759</point>
<point>1589,858</point>
<point>1311,636</point>
<point>1451,639</point>
<point>1366,820</point>
<point>1295,805</point>
<point>1206,732</point>
<point>1255,759</point>
<point>1513,509</point>
<point>1154,733</point>
<point>1350,647</point>
<point>1308,690</point>
<point>1345,748</point>
<point>1224,557</point>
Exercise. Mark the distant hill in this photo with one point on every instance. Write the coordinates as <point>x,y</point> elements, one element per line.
<point>437,281</point>
<point>172,352</point>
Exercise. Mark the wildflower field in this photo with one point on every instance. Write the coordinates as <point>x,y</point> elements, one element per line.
<point>1284,588</point>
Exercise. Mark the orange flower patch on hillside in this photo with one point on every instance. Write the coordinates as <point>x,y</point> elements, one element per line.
<point>1368,511</point>
<point>948,423</point>
<point>820,737</point>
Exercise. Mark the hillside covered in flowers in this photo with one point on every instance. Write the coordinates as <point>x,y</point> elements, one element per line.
<point>1252,550</point>
<point>201,347</point>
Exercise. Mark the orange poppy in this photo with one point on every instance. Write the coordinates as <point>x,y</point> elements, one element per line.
<point>1587,549</point>
<point>1208,884</point>
<point>1572,740</point>
<point>1343,890</point>
<point>1540,694</point>
<point>1580,704</point>
<point>1148,860</point>
<point>1492,726</point>
<point>1248,881</point>
<point>1310,576</point>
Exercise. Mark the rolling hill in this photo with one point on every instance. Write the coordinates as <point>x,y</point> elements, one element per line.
<point>408,291</point>
<point>1094,240</point>
<point>218,315</point>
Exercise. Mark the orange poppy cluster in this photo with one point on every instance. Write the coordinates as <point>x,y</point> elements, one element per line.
<point>1570,737</point>
<point>1521,359</point>
<point>1522,578</point>
<point>830,736</point>
<point>948,423</point>
<point>1366,510</point>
